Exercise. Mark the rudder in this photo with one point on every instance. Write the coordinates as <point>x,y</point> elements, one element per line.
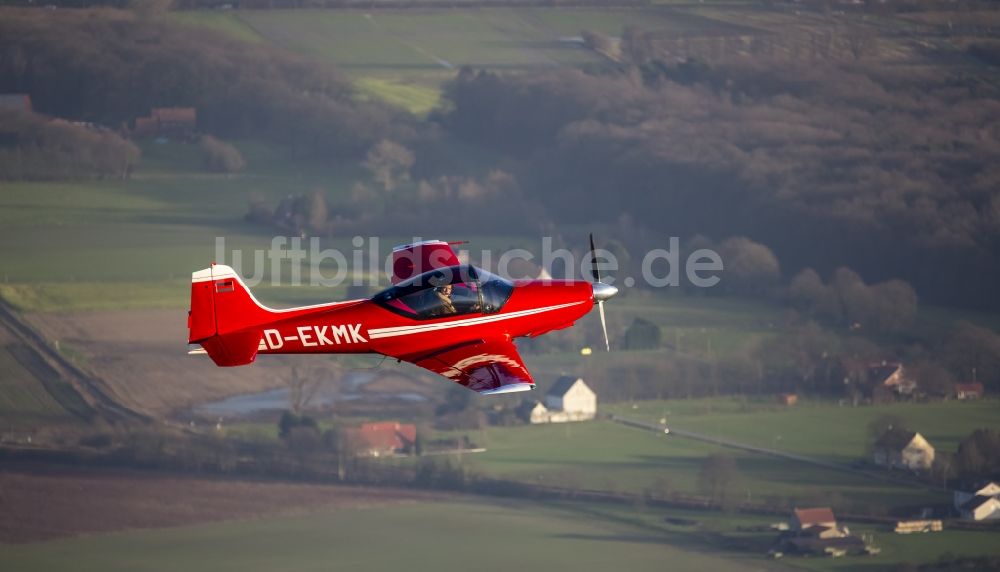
<point>224,315</point>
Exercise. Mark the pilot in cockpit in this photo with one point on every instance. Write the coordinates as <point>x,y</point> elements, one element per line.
<point>445,306</point>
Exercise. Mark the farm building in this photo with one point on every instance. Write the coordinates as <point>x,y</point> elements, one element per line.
<point>887,378</point>
<point>167,121</point>
<point>968,390</point>
<point>788,399</point>
<point>382,439</point>
<point>15,101</point>
<point>818,522</point>
<point>981,508</point>
<point>570,399</point>
<point>974,504</point>
<point>898,448</point>
<point>815,531</point>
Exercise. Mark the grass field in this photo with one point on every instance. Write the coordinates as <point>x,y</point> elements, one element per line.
<point>818,429</point>
<point>417,99</point>
<point>23,396</point>
<point>404,56</point>
<point>439,536</point>
<point>221,22</point>
<point>151,231</point>
<point>454,534</point>
<point>607,456</point>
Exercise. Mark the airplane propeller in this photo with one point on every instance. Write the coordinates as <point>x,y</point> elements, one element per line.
<point>602,291</point>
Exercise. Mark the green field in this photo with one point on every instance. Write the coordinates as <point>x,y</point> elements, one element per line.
<point>475,532</point>
<point>32,396</point>
<point>151,231</point>
<point>416,41</point>
<point>405,56</point>
<point>607,456</point>
<point>441,536</point>
<point>819,429</point>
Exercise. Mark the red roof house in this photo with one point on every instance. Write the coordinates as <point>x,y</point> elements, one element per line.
<point>968,390</point>
<point>385,438</point>
<point>804,518</point>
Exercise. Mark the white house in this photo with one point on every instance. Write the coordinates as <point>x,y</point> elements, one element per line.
<point>983,503</point>
<point>570,399</point>
<point>892,376</point>
<point>981,508</point>
<point>897,448</point>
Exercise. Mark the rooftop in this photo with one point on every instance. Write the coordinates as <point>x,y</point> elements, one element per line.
<point>812,516</point>
<point>562,385</point>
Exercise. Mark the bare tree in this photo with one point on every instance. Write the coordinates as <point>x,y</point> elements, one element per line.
<point>302,388</point>
<point>221,156</point>
<point>389,163</point>
<point>318,212</point>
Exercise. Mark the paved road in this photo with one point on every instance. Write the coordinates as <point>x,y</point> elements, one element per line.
<point>876,475</point>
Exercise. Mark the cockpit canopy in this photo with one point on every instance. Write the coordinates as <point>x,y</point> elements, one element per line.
<point>447,291</point>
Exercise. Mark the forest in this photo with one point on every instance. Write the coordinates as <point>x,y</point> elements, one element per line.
<point>889,170</point>
<point>110,66</point>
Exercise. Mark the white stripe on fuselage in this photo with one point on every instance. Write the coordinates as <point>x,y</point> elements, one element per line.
<point>423,328</point>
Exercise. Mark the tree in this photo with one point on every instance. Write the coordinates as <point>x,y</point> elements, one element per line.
<point>456,400</point>
<point>290,421</point>
<point>894,305</point>
<point>342,443</point>
<point>979,453</point>
<point>642,335</point>
<point>221,156</point>
<point>854,297</point>
<point>36,148</point>
<point>750,267</point>
<point>808,293</point>
<point>881,424</point>
<point>286,423</point>
<point>389,163</point>
<point>318,212</point>
<point>973,351</point>
<point>302,388</point>
<point>932,378</point>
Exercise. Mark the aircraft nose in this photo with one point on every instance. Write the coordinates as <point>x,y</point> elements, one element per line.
<point>603,291</point>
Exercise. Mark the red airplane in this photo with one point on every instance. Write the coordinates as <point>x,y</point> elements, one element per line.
<point>454,319</point>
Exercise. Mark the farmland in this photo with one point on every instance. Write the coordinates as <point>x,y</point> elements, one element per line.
<point>24,396</point>
<point>201,523</point>
<point>822,429</point>
<point>606,456</point>
<point>50,502</point>
<point>314,527</point>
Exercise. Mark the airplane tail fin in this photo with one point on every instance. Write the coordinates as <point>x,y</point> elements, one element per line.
<point>223,315</point>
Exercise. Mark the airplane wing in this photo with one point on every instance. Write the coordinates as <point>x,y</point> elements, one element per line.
<point>486,366</point>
